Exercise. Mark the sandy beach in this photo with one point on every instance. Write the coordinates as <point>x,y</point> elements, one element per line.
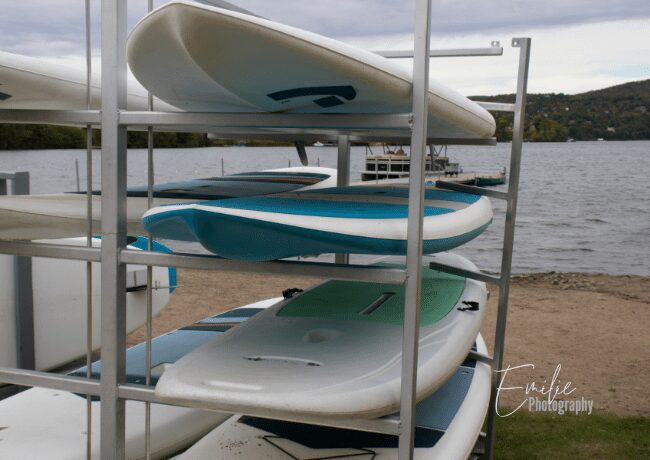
<point>593,325</point>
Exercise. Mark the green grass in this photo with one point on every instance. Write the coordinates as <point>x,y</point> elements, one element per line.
<point>526,435</point>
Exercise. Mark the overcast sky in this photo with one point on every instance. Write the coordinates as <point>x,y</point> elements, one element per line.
<point>578,45</point>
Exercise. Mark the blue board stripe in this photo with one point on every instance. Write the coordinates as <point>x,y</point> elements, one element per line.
<point>321,437</point>
<point>329,101</point>
<point>170,347</point>
<point>278,174</point>
<point>324,208</point>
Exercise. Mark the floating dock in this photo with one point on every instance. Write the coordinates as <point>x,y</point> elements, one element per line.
<point>392,165</point>
<point>485,179</point>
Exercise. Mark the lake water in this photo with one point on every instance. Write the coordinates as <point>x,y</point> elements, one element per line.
<point>583,206</point>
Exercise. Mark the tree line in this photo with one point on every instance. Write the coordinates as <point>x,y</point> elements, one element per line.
<point>42,137</point>
<point>619,112</point>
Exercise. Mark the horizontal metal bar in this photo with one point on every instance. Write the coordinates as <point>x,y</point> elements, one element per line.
<point>323,270</point>
<point>140,393</point>
<point>480,357</point>
<point>268,120</point>
<point>460,52</point>
<point>387,425</point>
<point>497,106</point>
<point>47,380</point>
<point>54,251</point>
<point>465,273</point>
<point>472,189</point>
<point>281,126</point>
<point>68,117</point>
<point>312,135</point>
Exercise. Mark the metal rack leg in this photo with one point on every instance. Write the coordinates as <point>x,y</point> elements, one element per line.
<point>24,297</point>
<point>113,273</point>
<point>410,337</point>
<point>149,319</point>
<point>343,179</point>
<point>89,232</point>
<point>509,233</point>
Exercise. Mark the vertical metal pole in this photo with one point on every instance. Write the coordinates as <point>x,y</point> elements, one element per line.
<point>89,233</point>
<point>509,233</point>
<point>113,293</point>
<point>149,321</point>
<point>377,171</point>
<point>343,179</point>
<point>24,295</point>
<point>76,175</point>
<point>414,234</point>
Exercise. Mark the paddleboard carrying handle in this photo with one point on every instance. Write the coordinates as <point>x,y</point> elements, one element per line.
<point>471,306</point>
<point>289,293</point>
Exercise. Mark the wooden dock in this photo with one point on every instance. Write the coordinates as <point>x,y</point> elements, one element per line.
<point>472,178</point>
<point>482,179</point>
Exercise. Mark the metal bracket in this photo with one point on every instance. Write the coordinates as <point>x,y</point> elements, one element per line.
<point>494,49</point>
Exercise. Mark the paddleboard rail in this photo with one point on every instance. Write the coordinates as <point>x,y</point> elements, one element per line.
<point>385,425</point>
<point>317,269</point>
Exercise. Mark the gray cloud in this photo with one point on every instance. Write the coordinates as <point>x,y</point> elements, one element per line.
<point>27,25</point>
<point>56,27</point>
<point>53,27</point>
<point>385,17</point>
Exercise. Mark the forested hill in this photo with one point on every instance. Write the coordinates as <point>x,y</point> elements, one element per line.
<point>620,112</point>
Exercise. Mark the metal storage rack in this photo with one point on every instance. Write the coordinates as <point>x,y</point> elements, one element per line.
<point>114,256</point>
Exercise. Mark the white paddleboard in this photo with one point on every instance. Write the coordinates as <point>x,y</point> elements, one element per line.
<point>32,83</point>
<point>63,215</point>
<point>50,424</point>
<point>334,350</point>
<point>59,298</point>
<point>447,425</point>
<point>202,58</point>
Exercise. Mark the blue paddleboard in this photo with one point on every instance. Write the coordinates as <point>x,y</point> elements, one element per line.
<point>355,220</point>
